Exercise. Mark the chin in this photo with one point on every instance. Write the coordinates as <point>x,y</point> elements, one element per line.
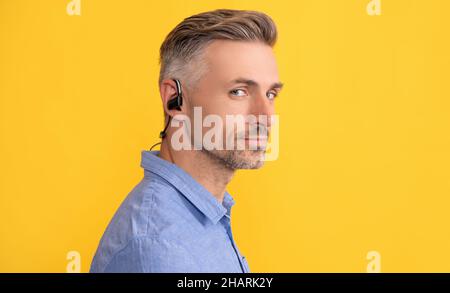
<point>251,159</point>
<point>240,159</point>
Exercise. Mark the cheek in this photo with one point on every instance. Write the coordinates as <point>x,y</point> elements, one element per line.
<point>224,105</point>
<point>272,109</point>
<point>241,107</point>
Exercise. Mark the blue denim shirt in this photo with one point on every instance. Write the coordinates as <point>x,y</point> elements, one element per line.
<point>169,223</point>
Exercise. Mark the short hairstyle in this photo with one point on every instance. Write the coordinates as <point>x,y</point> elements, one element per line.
<point>183,45</point>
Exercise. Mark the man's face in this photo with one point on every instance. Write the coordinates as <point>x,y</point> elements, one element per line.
<point>241,79</point>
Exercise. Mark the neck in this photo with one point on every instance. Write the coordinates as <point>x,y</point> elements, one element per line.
<point>211,173</point>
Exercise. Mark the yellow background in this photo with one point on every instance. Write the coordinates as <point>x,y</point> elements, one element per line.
<point>364,132</point>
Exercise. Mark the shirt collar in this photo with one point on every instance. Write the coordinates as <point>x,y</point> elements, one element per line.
<point>201,198</point>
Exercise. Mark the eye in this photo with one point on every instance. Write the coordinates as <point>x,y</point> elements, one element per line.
<point>272,95</point>
<point>238,92</point>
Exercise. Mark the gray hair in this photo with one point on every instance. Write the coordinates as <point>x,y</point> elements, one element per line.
<point>181,50</point>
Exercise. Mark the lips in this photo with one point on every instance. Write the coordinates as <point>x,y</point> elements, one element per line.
<point>252,138</point>
<point>261,138</point>
<point>256,142</point>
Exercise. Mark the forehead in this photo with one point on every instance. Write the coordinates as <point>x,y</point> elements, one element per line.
<point>227,60</point>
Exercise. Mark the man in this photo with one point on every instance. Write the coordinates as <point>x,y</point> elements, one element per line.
<point>177,219</point>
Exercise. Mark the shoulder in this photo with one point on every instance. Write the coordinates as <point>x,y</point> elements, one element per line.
<point>152,255</point>
<point>150,202</point>
<point>152,218</point>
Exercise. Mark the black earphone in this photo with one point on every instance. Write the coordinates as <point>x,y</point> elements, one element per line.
<point>177,102</point>
<point>174,103</point>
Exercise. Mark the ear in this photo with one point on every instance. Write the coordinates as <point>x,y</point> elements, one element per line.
<point>168,91</point>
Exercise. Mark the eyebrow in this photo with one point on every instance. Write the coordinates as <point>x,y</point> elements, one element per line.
<point>249,82</point>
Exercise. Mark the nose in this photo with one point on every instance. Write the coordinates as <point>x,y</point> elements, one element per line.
<point>263,109</point>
